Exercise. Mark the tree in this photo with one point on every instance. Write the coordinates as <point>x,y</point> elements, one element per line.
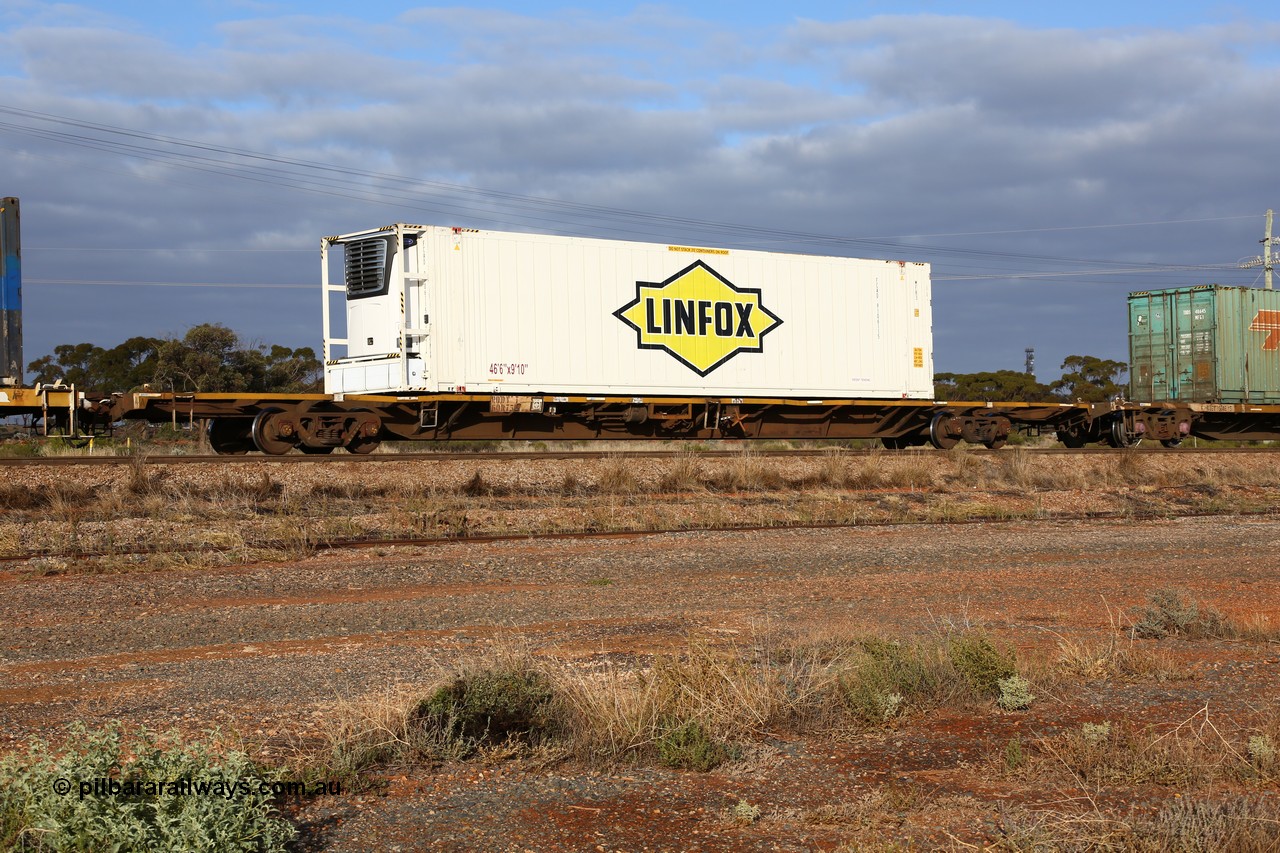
<point>997,386</point>
<point>211,358</point>
<point>296,371</point>
<point>1090,379</point>
<point>208,358</point>
<point>92,368</point>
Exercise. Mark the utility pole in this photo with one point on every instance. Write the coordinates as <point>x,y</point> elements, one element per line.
<point>1266,254</point>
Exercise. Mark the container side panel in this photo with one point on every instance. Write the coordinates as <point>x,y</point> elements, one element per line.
<point>1248,345</point>
<point>527,313</point>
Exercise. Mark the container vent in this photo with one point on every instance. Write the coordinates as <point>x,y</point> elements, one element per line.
<point>366,267</point>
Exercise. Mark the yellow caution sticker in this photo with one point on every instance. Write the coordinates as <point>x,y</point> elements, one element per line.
<point>699,317</point>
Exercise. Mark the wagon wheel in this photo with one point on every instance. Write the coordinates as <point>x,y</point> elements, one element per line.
<point>996,443</point>
<point>1075,439</point>
<point>1120,435</point>
<point>229,436</point>
<point>938,435</point>
<point>362,445</point>
<point>266,435</point>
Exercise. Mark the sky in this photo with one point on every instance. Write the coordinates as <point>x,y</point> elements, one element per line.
<point>177,163</point>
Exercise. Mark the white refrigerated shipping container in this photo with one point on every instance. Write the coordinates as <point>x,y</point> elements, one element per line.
<point>430,309</point>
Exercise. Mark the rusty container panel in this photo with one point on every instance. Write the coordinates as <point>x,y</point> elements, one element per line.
<point>1203,344</point>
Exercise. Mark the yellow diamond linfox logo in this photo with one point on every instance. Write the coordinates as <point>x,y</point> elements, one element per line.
<point>699,317</point>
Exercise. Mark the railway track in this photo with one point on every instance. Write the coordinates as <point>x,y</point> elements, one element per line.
<point>378,458</point>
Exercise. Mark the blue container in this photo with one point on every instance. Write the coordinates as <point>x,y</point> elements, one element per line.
<point>10,293</point>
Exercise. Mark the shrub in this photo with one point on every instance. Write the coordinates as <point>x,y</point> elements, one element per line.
<point>1262,753</point>
<point>745,813</point>
<point>1242,824</point>
<point>490,706</point>
<point>684,474</point>
<point>979,662</point>
<point>885,676</point>
<point>1168,614</point>
<point>719,688</point>
<point>1015,693</point>
<point>1014,756</point>
<point>34,816</point>
<point>688,746</point>
<point>477,487</point>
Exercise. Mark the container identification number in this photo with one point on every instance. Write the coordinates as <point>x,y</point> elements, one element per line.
<point>507,369</point>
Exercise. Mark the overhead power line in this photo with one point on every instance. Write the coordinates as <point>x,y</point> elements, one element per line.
<point>123,283</point>
<point>494,206</point>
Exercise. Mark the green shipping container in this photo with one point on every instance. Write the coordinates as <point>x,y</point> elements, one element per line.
<point>1205,344</point>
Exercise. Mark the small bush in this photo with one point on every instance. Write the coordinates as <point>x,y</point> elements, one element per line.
<point>745,813</point>
<point>888,675</point>
<point>884,678</point>
<point>980,663</point>
<point>1107,658</point>
<point>1262,753</point>
<point>1015,693</point>
<point>688,746</point>
<point>34,816</point>
<point>1169,614</point>
<point>1014,756</point>
<point>490,707</point>
<point>719,688</point>
<point>1190,754</point>
<point>749,472</point>
<point>1241,825</point>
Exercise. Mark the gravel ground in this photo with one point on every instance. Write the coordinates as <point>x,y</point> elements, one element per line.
<point>268,649</point>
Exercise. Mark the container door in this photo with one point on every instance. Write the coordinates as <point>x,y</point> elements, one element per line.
<point>1199,369</point>
<point>1150,347</point>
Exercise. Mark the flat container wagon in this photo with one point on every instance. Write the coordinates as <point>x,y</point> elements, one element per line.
<point>439,310</point>
<point>1205,344</point>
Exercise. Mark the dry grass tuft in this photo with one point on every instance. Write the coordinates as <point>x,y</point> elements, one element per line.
<point>685,474</point>
<point>1191,754</point>
<point>1095,659</point>
<point>749,472</point>
<point>618,477</point>
<point>1238,825</point>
